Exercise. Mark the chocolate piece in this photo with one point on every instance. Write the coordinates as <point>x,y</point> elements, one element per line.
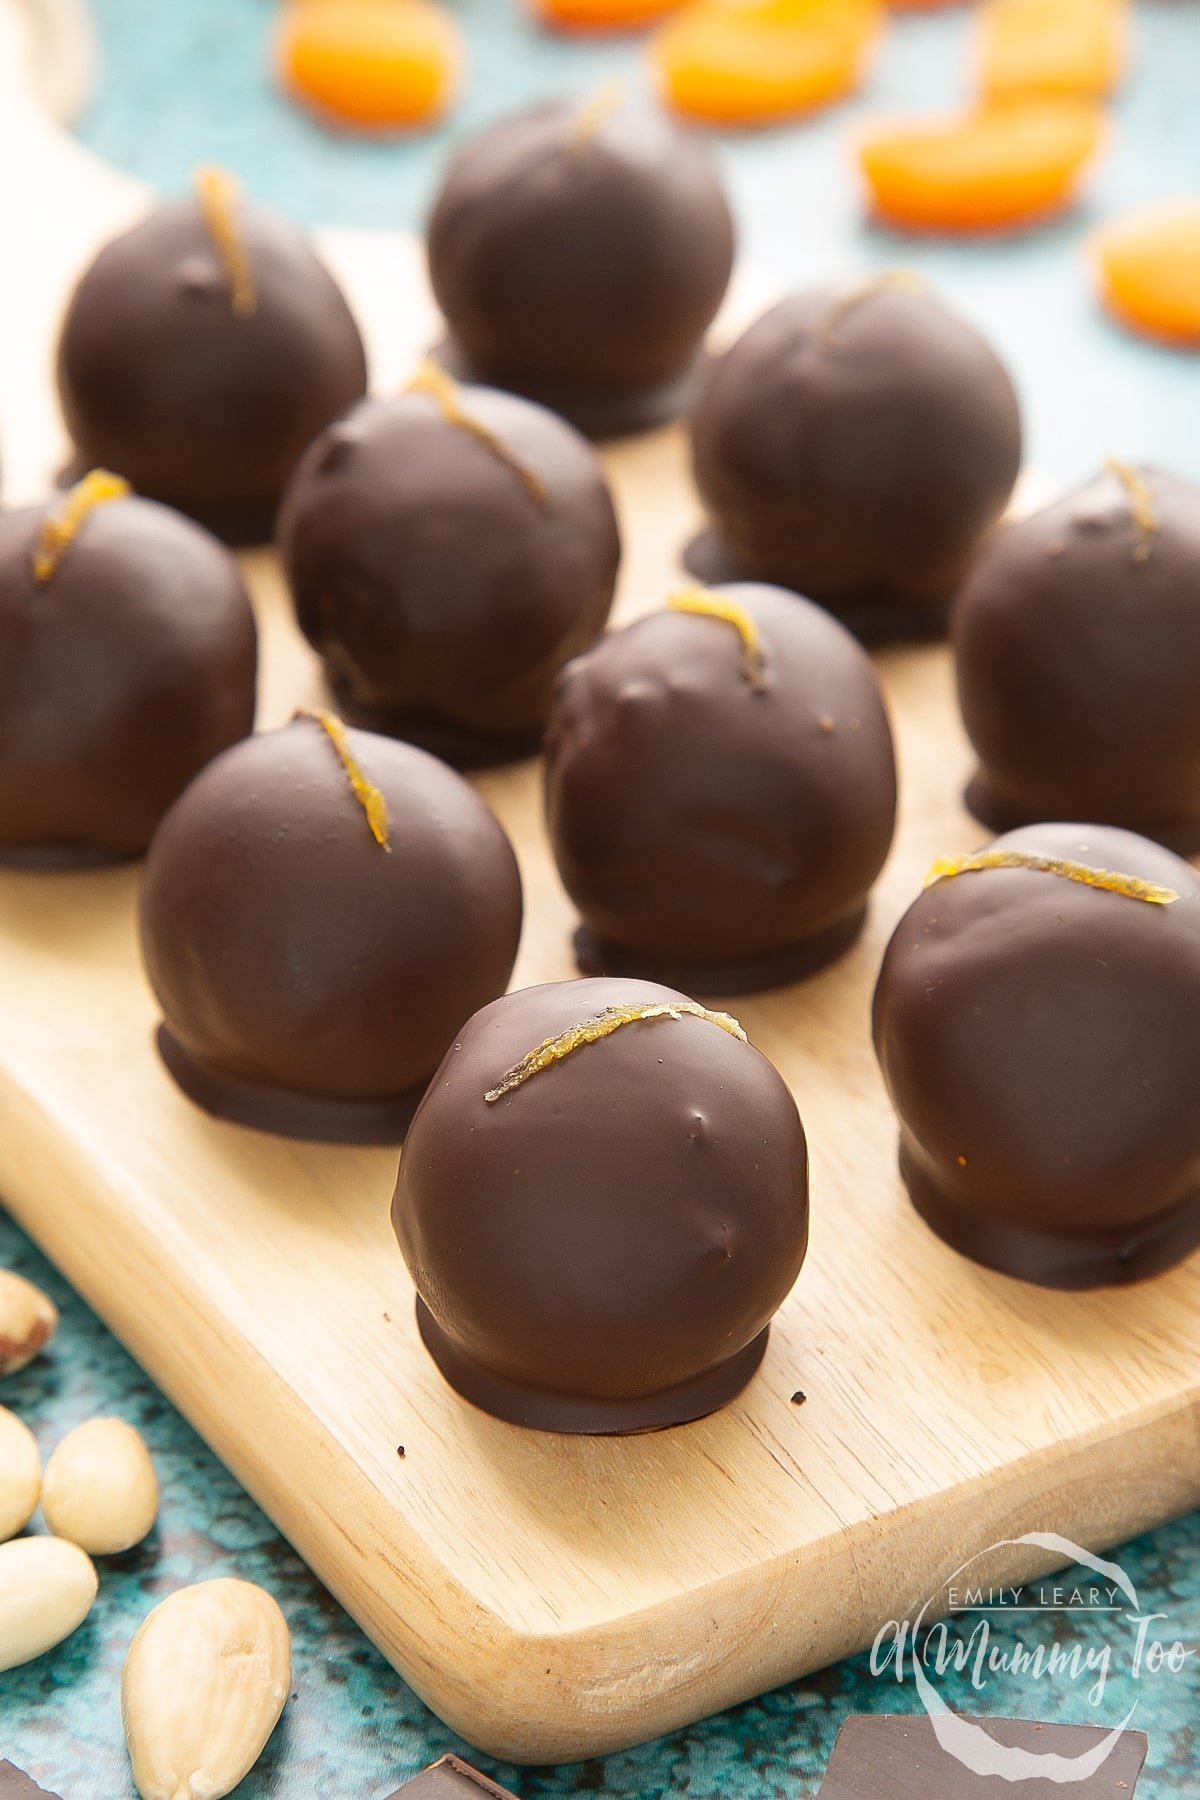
<point>720,791</point>
<point>127,659</point>
<point>15,1784</point>
<point>897,1758</point>
<point>451,1779</point>
<point>856,446</point>
<point>320,912</point>
<point>201,353</point>
<point>1077,646</point>
<point>448,551</point>
<point>1039,1033</point>
<point>603,1201</point>
<point>579,253</point>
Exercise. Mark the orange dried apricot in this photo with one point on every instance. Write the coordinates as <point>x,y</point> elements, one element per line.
<point>601,15</point>
<point>1051,46</point>
<point>1149,271</point>
<point>1002,165</point>
<point>745,62</point>
<point>371,65</point>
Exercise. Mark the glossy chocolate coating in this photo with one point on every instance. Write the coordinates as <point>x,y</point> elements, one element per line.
<point>310,980</point>
<point>581,262</point>
<point>855,447</point>
<point>1040,1040</point>
<point>121,675</point>
<point>442,591</point>
<point>717,832</point>
<point>161,381</point>
<point>1077,648</point>
<point>602,1249</point>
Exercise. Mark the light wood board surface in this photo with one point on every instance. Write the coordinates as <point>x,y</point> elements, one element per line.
<point>552,1597</point>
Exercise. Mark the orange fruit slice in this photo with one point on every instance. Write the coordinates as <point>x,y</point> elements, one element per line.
<point>601,15</point>
<point>1052,46</point>
<point>1000,166</point>
<point>370,65</point>
<point>746,62</point>
<point>1149,271</point>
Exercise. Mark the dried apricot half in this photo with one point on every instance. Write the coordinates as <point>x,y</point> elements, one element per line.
<point>1000,166</point>
<point>747,62</point>
<point>601,15</point>
<point>1052,46</point>
<point>1149,271</point>
<point>370,65</point>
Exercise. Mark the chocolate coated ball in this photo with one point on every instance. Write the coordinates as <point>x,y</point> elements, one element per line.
<point>1040,1039</point>
<point>1077,648</point>
<point>579,252</point>
<point>445,573</point>
<point>162,379</point>
<point>122,673</point>
<point>311,975</point>
<point>856,446</point>
<point>601,1247</point>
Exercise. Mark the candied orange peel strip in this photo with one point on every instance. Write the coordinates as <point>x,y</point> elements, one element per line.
<point>430,378</point>
<point>1130,887</point>
<point>887,281</point>
<point>62,523</point>
<point>218,193</point>
<point>595,112</point>
<point>1141,504</point>
<point>707,605</point>
<point>591,1031</point>
<point>369,797</point>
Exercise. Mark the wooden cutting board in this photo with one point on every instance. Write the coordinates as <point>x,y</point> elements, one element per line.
<point>551,1597</point>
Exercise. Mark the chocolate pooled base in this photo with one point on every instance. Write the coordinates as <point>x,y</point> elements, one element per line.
<point>598,415</point>
<point>603,1201</point>
<point>730,978</point>
<point>312,1118</point>
<point>1038,1029</point>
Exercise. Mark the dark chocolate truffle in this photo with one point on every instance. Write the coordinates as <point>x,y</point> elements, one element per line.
<point>202,352</point>
<point>856,446</point>
<point>1077,647</point>
<point>320,912</point>
<point>448,551</point>
<point>127,660</point>
<point>1037,1020</point>
<point>579,253</point>
<point>720,791</point>
<point>603,1201</point>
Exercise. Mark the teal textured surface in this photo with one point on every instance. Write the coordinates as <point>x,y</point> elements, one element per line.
<point>186,80</point>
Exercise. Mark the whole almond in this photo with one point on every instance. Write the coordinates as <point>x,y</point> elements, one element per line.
<point>100,1489</point>
<point>204,1684</point>
<point>28,1319</point>
<point>20,1474</point>
<point>47,1587</point>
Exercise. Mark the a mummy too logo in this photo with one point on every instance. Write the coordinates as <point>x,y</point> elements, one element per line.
<point>1067,1631</point>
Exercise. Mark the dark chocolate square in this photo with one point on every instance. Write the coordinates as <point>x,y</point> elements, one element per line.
<point>449,1779</point>
<point>15,1784</point>
<point>899,1758</point>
